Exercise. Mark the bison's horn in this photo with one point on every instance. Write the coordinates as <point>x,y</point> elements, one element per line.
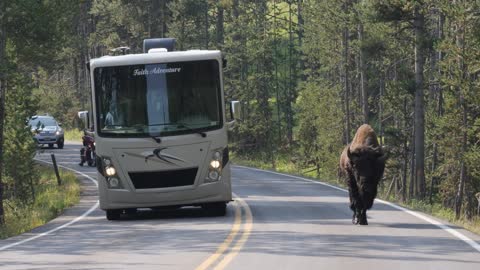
<point>382,157</point>
<point>349,154</point>
<point>352,156</point>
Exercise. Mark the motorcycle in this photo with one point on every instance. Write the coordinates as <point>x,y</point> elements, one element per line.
<point>87,153</point>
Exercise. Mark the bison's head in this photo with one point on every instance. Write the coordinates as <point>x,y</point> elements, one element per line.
<point>367,163</point>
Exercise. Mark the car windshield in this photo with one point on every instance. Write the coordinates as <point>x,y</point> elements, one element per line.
<point>42,122</point>
<point>158,99</point>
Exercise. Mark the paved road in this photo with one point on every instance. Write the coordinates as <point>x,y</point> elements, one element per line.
<point>276,222</point>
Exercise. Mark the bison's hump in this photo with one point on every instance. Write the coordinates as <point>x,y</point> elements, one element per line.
<point>364,137</point>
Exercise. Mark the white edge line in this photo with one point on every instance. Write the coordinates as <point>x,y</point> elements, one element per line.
<point>64,225</point>
<point>442,226</point>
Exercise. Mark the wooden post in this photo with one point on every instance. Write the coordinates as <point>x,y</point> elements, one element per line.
<point>478,206</point>
<point>55,167</point>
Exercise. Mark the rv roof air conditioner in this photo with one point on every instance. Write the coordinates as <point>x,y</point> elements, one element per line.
<point>158,43</point>
<point>157,50</point>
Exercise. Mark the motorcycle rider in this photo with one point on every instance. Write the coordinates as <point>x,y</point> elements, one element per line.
<point>89,147</point>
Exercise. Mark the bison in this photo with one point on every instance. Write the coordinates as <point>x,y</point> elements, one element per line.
<point>362,164</point>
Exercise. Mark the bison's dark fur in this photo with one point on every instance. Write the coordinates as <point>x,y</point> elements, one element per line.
<point>362,163</point>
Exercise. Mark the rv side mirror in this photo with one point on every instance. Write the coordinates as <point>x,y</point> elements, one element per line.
<point>236,110</point>
<point>83,115</point>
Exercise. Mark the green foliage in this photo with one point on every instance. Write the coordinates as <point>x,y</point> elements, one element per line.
<point>250,73</point>
<point>38,30</point>
<point>37,33</point>
<point>190,23</point>
<point>56,96</point>
<point>320,127</point>
<point>50,201</point>
<point>19,147</point>
<point>119,23</point>
<point>73,135</point>
<point>392,10</point>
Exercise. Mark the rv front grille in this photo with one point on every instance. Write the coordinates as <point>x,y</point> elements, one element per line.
<point>163,179</point>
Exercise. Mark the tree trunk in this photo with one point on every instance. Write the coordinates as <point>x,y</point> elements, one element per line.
<point>156,19</point>
<point>289,94</point>
<point>345,78</point>
<point>3,37</point>
<point>219,28</point>
<point>463,170</point>
<point>460,42</point>
<point>182,34</point>
<point>363,79</point>
<point>300,27</point>
<point>275,63</point>
<point>412,188</point>
<point>405,152</point>
<point>439,96</point>
<point>380,109</point>
<point>207,36</point>
<point>419,24</point>
<point>164,18</point>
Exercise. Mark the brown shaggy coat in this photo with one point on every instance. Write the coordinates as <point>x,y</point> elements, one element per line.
<point>362,164</point>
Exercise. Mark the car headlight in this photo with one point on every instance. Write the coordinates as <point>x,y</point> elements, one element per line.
<point>57,133</point>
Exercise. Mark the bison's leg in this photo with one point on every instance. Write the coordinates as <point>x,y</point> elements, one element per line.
<point>363,217</point>
<point>368,193</point>
<point>368,197</point>
<point>355,202</point>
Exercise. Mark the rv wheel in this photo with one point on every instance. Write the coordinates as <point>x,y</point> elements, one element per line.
<point>215,209</point>
<point>113,214</point>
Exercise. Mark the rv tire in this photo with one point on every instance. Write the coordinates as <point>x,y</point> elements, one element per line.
<point>215,209</point>
<point>113,214</point>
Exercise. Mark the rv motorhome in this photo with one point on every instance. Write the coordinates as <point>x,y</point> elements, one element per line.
<point>161,129</point>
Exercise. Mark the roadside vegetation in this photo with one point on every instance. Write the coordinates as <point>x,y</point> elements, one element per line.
<point>73,135</point>
<point>48,202</point>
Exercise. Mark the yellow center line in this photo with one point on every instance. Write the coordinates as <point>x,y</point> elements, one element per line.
<point>224,246</point>
<point>239,244</point>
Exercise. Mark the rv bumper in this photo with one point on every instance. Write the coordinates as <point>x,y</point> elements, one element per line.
<point>204,193</point>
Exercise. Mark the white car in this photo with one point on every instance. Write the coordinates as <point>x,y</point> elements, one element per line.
<point>47,130</point>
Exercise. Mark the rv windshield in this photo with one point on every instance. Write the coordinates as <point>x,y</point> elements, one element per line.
<point>158,99</point>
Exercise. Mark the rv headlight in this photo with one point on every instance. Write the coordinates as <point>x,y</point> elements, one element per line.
<point>213,175</point>
<point>215,168</point>
<point>113,182</point>
<point>110,171</point>
<point>217,155</point>
<point>215,164</point>
<point>107,162</point>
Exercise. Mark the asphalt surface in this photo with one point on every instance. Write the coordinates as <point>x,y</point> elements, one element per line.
<point>276,222</point>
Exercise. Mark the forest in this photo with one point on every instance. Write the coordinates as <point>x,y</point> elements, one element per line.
<point>308,73</point>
